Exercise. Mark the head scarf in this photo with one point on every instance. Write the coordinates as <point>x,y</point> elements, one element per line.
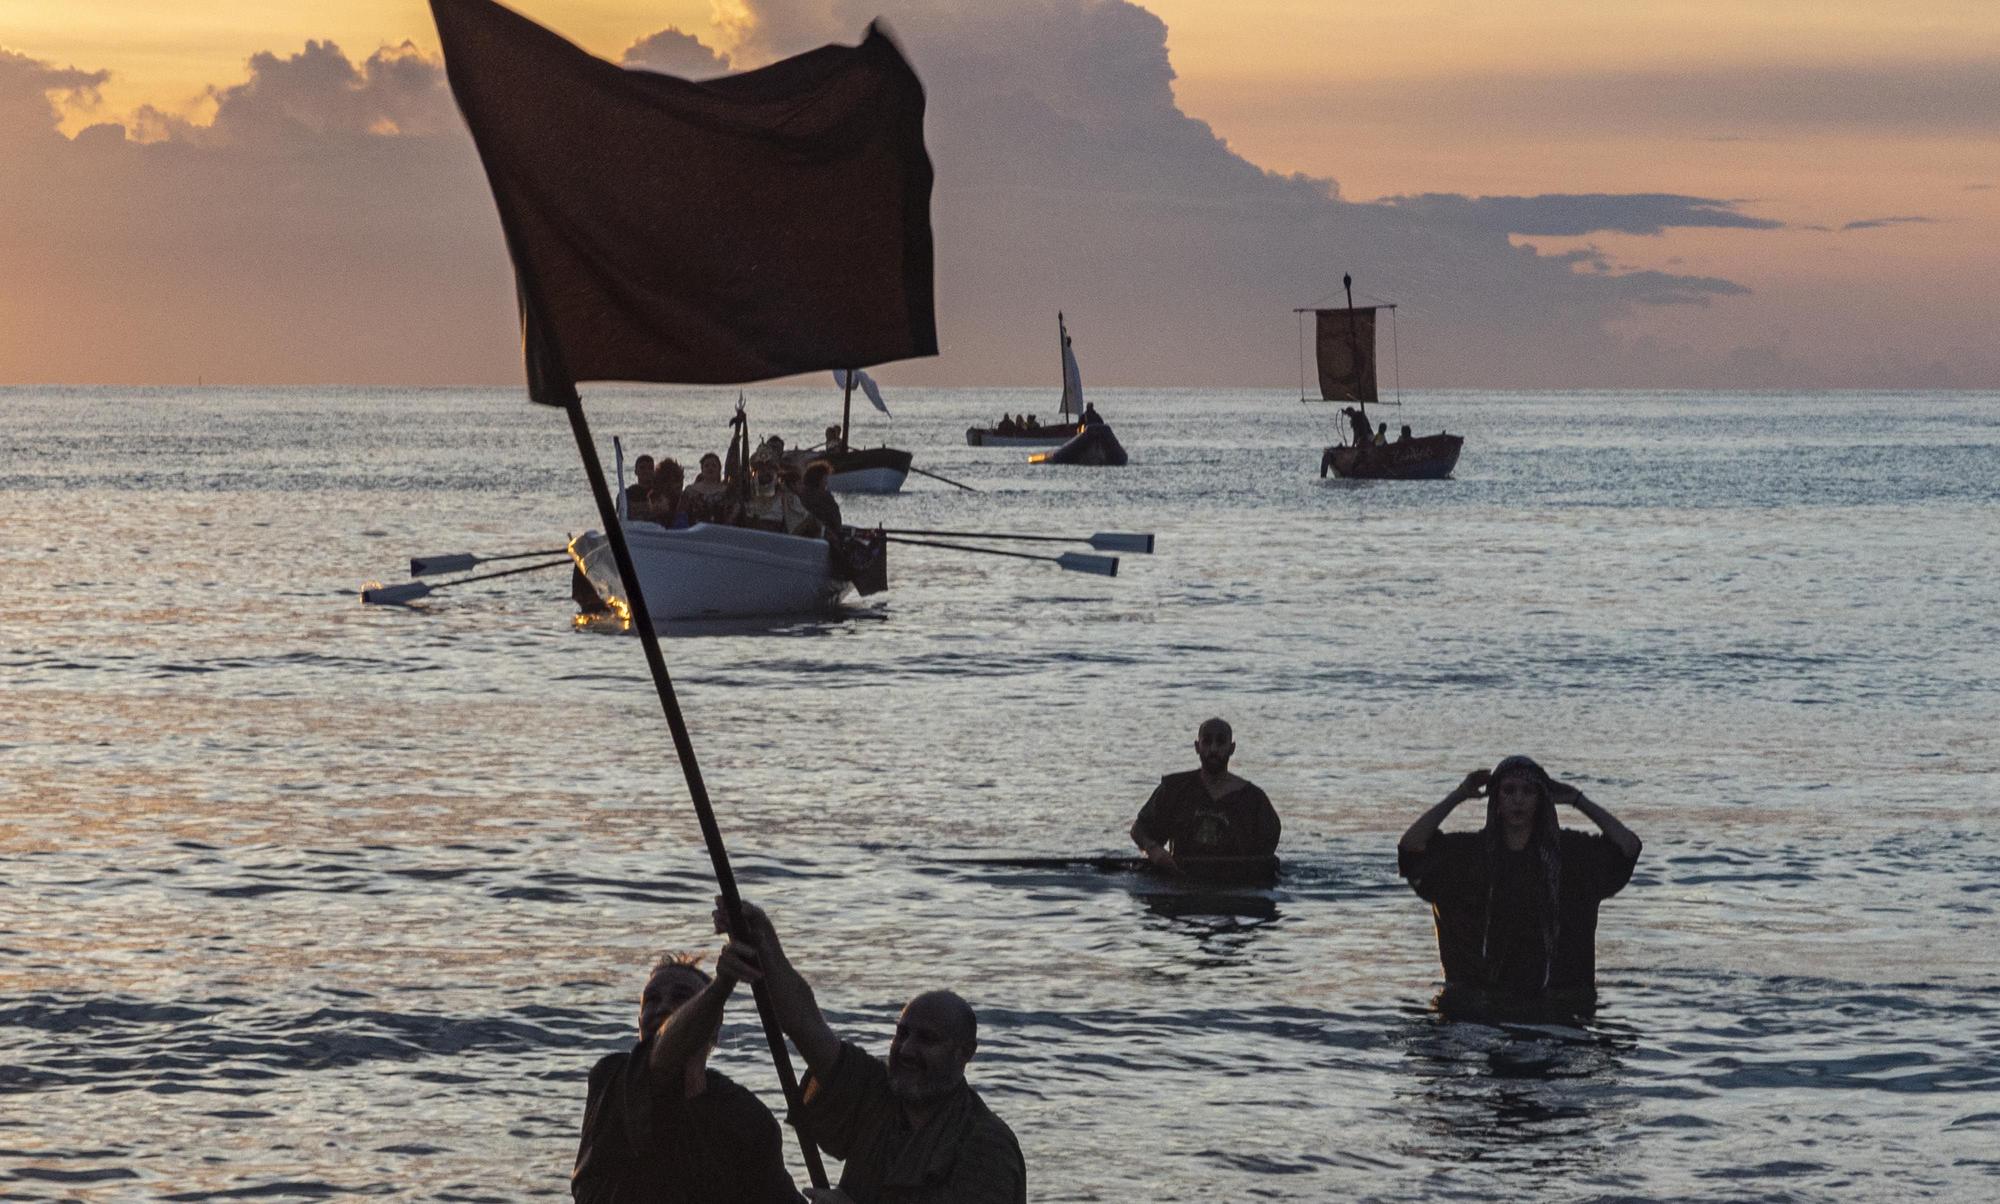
<point>1544,846</point>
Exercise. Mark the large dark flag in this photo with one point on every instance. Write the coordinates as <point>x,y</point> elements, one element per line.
<point>747,227</point>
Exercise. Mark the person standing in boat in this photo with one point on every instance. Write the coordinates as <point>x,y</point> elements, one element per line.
<point>1516,902</point>
<point>909,1130</point>
<point>1206,812</point>
<point>1090,415</point>
<point>1358,423</point>
<point>660,1125</point>
<point>834,445</point>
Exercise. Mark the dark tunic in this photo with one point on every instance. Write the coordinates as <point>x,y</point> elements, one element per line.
<point>963,1154</point>
<point>1183,817</point>
<point>1452,874</point>
<point>647,1146</point>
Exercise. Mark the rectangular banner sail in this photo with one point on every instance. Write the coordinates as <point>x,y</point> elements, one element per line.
<point>1346,349</point>
<point>732,230</point>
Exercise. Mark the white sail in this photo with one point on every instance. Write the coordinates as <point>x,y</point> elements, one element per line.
<point>1072,396</point>
<point>866,384</point>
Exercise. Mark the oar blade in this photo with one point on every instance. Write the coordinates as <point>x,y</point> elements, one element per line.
<point>395,595</point>
<point>1118,541</point>
<point>457,562</point>
<point>1084,562</point>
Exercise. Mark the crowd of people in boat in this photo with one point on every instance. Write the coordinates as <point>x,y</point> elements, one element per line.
<point>1028,424</point>
<point>1379,437</point>
<point>1515,905</point>
<point>776,492</point>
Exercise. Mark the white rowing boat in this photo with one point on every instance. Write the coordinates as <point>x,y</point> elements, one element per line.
<point>711,571</point>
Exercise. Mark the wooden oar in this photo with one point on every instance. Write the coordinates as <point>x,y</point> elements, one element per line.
<point>410,591</point>
<point>1075,562</point>
<point>458,562</point>
<point>947,480</point>
<point>1103,541</point>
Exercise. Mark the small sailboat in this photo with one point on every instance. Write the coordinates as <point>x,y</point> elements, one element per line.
<point>1036,433</point>
<point>1090,442</point>
<point>1344,346</point>
<point>860,469</point>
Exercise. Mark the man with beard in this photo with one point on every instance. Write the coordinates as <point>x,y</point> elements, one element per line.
<point>911,1130</point>
<point>1208,813</point>
<point>1516,902</point>
<point>659,1126</point>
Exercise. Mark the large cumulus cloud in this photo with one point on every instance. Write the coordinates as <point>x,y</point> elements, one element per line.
<point>330,223</point>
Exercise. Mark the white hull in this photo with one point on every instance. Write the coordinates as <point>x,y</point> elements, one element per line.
<point>715,572</point>
<point>869,480</point>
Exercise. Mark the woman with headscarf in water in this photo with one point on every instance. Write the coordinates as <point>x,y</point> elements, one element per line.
<point>1516,902</point>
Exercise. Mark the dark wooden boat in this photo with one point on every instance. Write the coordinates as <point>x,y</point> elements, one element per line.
<point>1423,458</point>
<point>1344,349</point>
<point>1092,445</point>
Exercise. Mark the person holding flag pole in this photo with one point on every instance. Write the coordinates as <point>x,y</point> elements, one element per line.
<point>812,219</point>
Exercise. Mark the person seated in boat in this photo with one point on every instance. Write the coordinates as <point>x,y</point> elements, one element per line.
<point>834,445</point>
<point>1516,901</point>
<point>669,494</point>
<point>1006,426</point>
<point>818,499</point>
<point>1405,437</point>
<point>639,494</point>
<point>1090,415</point>
<point>769,508</point>
<point>1381,434</point>
<point>1206,812</point>
<point>1034,423</point>
<point>658,1124</point>
<point>909,1129</point>
<point>703,497</point>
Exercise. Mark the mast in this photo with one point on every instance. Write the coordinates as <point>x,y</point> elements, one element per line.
<point>1353,336</point>
<point>846,406</point>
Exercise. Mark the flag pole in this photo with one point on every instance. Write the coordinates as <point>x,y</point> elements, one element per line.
<point>711,833</point>
<point>846,408</point>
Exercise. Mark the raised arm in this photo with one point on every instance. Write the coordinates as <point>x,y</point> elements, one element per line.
<point>758,956</point>
<point>1418,838</point>
<point>687,1033</point>
<point>1617,833</point>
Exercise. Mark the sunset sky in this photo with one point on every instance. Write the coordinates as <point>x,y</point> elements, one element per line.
<point>1774,193</point>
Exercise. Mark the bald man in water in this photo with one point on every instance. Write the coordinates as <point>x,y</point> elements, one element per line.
<point>910,1130</point>
<point>1208,812</point>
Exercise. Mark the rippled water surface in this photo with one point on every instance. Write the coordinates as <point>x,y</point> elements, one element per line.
<point>301,898</point>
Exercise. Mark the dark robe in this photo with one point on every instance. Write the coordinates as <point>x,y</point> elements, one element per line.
<point>644,1143</point>
<point>963,1154</point>
<point>1457,874</point>
<point>1182,816</point>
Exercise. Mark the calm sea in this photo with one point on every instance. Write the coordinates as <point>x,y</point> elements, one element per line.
<point>301,898</point>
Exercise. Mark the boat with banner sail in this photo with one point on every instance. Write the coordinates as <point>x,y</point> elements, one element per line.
<point>1344,346</point>
<point>1037,433</point>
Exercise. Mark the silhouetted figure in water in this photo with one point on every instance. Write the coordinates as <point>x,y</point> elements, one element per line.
<point>909,1130</point>
<point>1206,812</point>
<point>1516,902</point>
<point>661,1126</point>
